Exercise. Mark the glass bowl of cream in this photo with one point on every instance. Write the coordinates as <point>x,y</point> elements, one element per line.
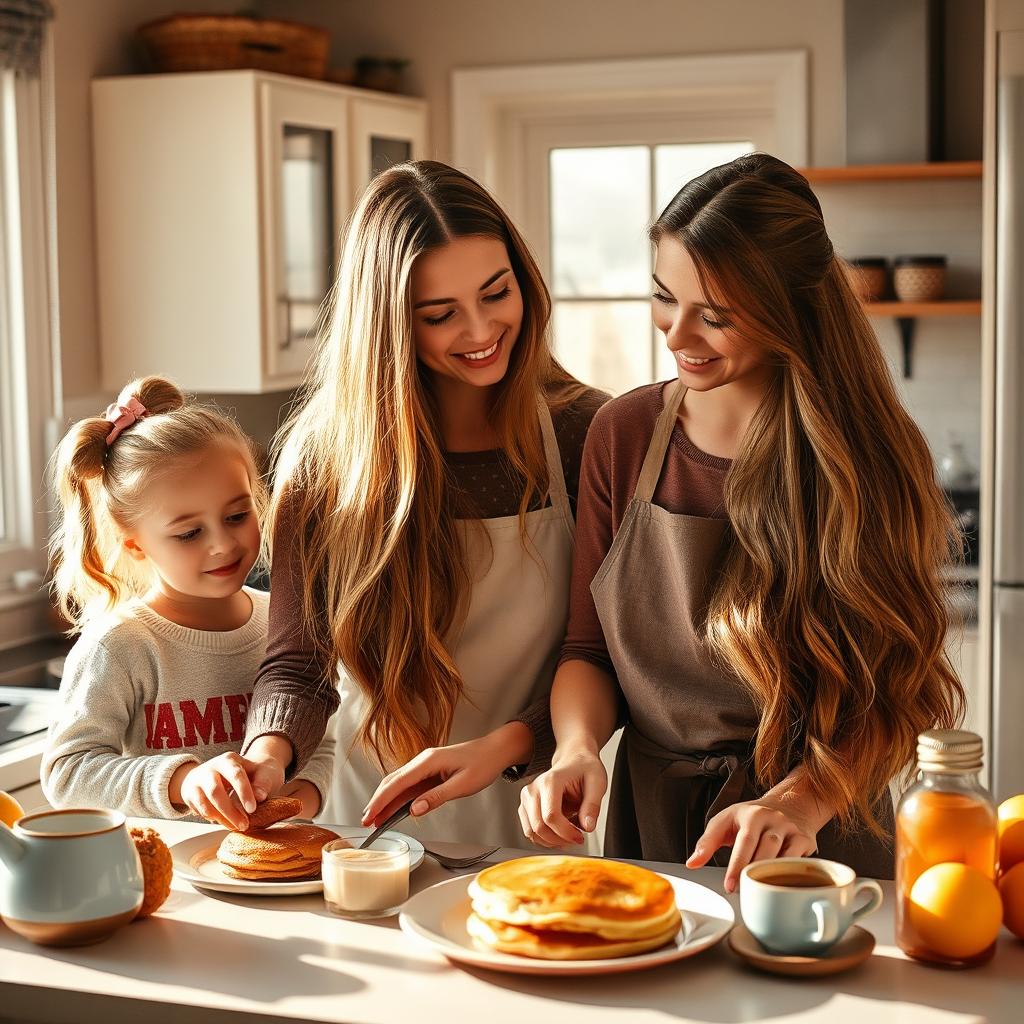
<point>364,884</point>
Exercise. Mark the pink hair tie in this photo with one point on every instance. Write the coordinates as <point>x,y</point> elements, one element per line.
<point>123,416</point>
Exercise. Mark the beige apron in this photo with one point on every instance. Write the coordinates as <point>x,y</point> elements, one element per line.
<point>506,651</point>
<point>687,748</point>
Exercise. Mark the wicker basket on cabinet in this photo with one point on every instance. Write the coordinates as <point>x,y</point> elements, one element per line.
<point>215,42</point>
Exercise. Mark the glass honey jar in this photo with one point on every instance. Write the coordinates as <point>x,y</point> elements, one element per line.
<point>945,817</point>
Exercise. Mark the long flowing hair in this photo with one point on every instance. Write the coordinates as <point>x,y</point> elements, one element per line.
<point>101,491</point>
<point>361,467</point>
<point>830,605</point>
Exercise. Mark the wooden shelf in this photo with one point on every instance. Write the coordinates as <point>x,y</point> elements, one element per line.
<point>951,307</point>
<point>906,315</point>
<point>894,172</point>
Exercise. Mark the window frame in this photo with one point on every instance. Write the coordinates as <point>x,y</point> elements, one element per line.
<point>28,328</point>
<point>494,108</point>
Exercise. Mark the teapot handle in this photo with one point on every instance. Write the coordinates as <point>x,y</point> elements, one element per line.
<point>12,849</point>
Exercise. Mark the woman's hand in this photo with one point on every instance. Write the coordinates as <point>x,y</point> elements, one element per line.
<point>571,789</point>
<point>270,756</point>
<point>307,793</point>
<point>440,774</point>
<point>218,790</point>
<point>756,830</point>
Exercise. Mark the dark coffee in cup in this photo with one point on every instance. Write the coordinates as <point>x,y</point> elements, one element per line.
<point>797,880</point>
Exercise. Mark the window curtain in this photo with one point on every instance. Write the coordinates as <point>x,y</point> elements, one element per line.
<point>21,34</point>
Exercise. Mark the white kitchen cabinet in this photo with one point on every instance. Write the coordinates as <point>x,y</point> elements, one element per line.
<point>220,198</point>
<point>382,133</point>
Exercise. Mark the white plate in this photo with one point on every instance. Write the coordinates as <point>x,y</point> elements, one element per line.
<point>438,915</point>
<point>195,860</point>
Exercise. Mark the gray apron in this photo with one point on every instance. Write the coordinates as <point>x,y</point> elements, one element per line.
<point>687,749</point>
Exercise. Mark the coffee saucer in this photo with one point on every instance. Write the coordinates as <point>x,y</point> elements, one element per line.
<point>852,949</point>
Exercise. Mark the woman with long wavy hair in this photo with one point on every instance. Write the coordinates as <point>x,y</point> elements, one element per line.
<point>757,589</point>
<point>758,576</point>
<point>422,511</point>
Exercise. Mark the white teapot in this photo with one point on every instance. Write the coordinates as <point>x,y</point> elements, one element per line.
<point>70,877</point>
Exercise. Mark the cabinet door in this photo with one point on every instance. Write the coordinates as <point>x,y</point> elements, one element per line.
<point>305,203</point>
<point>384,132</point>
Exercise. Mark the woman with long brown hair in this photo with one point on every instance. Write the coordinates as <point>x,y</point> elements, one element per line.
<point>758,576</point>
<point>422,511</point>
<point>756,588</point>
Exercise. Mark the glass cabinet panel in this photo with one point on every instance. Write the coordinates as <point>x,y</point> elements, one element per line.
<point>306,200</point>
<point>307,209</point>
<point>383,133</point>
<point>385,153</point>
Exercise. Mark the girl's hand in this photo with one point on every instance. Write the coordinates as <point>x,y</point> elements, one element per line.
<point>440,774</point>
<point>756,830</point>
<point>572,788</point>
<point>303,790</point>
<point>219,790</point>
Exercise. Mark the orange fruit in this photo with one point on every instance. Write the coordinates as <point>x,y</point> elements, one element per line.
<point>1011,832</point>
<point>10,809</point>
<point>955,910</point>
<point>1011,888</point>
<point>937,827</point>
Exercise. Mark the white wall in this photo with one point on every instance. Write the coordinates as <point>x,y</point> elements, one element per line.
<point>91,38</point>
<point>442,35</point>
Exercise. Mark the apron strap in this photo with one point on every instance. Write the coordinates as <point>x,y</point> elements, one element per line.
<point>557,490</point>
<point>655,458</point>
<point>731,766</point>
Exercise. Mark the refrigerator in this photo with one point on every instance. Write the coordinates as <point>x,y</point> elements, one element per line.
<point>1007,598</point>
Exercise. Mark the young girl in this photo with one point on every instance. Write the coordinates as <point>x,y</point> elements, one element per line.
<point>160,509</point>
<point>423,508</point>
<point>756,587</point>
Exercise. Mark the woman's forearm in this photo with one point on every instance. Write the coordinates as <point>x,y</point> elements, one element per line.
<point>584,705</point>
<point>794,795</point>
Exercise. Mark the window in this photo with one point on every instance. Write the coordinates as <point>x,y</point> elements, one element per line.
<point>27,388</point>
<point>602,264</point>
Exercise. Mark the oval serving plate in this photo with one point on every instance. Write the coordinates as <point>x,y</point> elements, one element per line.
<point>437,916</point>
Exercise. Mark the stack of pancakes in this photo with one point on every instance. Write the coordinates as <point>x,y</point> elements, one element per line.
<point>272,850</point>
<point>571,908</point>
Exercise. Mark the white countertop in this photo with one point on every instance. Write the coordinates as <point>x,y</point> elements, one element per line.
<point>223,958</point>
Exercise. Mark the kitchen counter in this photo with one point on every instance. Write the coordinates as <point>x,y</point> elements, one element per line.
<point>224,958</point>
<point>19,762</point>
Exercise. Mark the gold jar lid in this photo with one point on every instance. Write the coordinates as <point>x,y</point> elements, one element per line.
<point>949,750</point>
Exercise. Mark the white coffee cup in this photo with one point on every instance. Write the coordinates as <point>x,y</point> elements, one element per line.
<point>803,905</point>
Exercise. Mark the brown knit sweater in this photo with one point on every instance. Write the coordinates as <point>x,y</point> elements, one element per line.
<point>295,693</point>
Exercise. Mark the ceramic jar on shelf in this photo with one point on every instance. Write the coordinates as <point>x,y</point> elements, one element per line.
<point>919,278</point>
